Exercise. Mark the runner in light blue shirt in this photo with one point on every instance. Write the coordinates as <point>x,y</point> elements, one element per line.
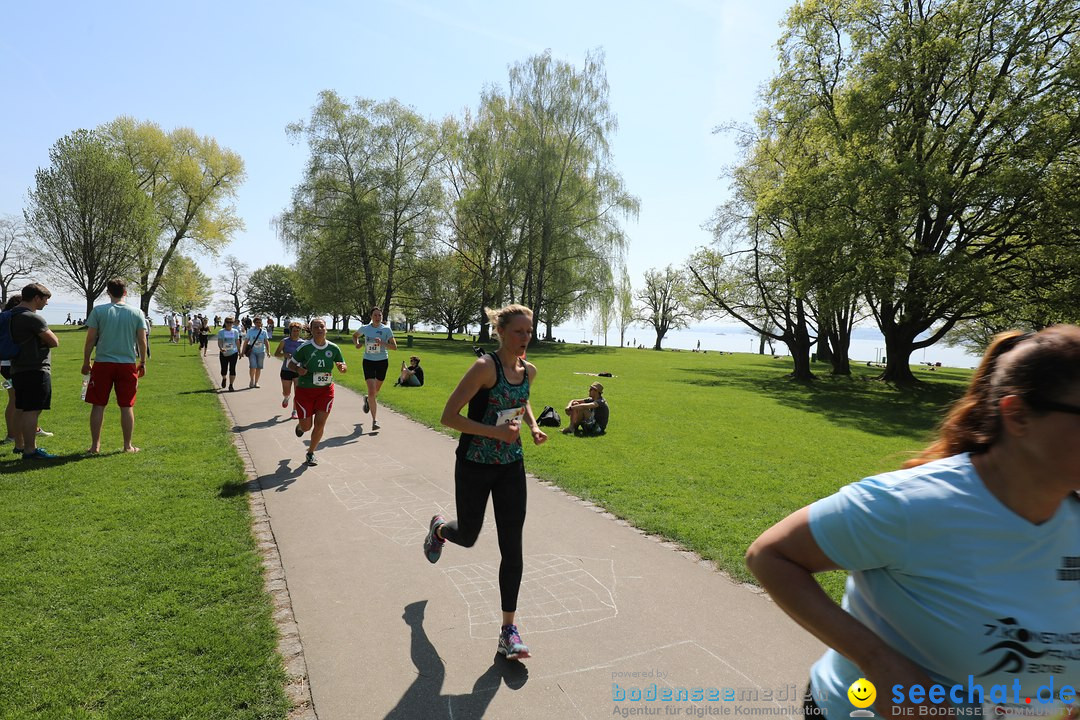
<point>375,339</point>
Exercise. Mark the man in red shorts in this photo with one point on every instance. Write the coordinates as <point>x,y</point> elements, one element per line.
<point>314,362</point>
<point>117,331</point>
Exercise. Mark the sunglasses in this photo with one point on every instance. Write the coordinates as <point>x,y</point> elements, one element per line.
<point>1053,406</point>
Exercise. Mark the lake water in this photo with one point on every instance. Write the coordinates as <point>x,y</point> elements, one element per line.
<point>867,345</point>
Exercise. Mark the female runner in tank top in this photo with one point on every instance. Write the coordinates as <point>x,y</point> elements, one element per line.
<point>490,459</point>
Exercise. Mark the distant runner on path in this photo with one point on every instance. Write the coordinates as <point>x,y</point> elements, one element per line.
<point>376,339</point>
<point>314,362</point>
<point>490,459</point>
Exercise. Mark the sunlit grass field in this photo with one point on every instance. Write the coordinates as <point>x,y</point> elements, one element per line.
<point>707,449</point>
<point>130,585</point>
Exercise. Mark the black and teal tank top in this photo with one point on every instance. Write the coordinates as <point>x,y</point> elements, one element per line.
<point>485,407</point>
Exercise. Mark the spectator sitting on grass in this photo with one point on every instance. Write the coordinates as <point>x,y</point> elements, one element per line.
<point>589,414</point>
<point>413,375</point>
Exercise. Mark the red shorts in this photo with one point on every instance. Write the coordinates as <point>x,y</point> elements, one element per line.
<point>104,375</point>
<point>313,400</point>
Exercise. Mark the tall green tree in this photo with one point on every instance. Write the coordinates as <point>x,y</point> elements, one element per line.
<point>191,182</point>
<point>949,118</point>
<point>566,187</point>
<point>184,287</point>
<point>272,290</point>
<point>88,214</point>
<point>371,186</point>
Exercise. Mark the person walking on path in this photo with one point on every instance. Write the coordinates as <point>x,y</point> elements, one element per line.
<point>256,348</point>
<point>314,362</point>
<point>490,460</point>
<point>285,350</point>
<point>968,545</point>
<point>228,340</point>
<point>116,335</point>
<point>377,339</point>
<point>31,369</point>
<point>204,334</point>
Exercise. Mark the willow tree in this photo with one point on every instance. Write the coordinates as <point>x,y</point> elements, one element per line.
<point>568,194</point>
<point>371,185</point>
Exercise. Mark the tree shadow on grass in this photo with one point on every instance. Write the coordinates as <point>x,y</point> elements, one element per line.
<point>204,391</point>
<point>855,402</point>
<point>16,464</point>
<point>425,698</point>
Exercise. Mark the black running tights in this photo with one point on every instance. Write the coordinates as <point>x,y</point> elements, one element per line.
<point>473,482</point>
<point>228,363</point>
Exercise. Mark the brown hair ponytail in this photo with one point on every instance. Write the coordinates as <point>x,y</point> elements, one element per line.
<point>1031,365</point>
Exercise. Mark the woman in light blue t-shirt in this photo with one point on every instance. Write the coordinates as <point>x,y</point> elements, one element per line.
<point>228,340</point>
<point>962,594</point>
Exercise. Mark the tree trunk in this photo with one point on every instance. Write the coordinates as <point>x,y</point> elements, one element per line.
<point>841,365</point>
<point>761,345</point>
<point>89,306</point>
<point>898,348</point>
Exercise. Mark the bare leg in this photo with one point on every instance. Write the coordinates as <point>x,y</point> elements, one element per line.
<point>127,425</point>
<point>29,425</point>
<point>317,430</point>
<point>97,418</point>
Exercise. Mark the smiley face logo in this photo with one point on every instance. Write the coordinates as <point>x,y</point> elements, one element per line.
<point>862,693</point>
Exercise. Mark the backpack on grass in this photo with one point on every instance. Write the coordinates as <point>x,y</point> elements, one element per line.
<point>548,417</point>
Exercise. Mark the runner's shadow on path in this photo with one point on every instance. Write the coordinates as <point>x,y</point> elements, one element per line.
<point>349,439</point>
<point>272,422</point>
<point>283,476</point>
<point>425,698</point>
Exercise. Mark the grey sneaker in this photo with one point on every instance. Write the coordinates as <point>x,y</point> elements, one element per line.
<point>43,433</point>
<point>366,406</point>
<point>433,544</point>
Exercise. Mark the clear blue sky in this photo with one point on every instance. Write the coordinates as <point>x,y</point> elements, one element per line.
<point>241,71</point>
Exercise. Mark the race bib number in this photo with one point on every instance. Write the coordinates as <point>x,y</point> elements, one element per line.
<point>321,379</point>
<point>505,417</point>
<point>229,348</point>
<point>373,347</point>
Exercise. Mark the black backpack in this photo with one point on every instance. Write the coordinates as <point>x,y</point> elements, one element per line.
<point>548,417</point>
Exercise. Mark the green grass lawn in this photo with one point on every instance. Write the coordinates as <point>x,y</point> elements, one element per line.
<point>130,585</point>
<point>707,449</point>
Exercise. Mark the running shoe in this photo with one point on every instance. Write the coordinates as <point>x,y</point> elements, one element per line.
<point>374,425</point>
<point>7,440</point>
<point>43,433</point>
<point>299,430</point>
<point>366,406</point>
<point>293,416</point>
<point>433,544</point>
<point>231,388</point>
<point>16,451</point>
<point>285,401</point>
<point>223,383</point>
<point>309,459</point>
<point>510,644</point>
<point>38,454</point>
